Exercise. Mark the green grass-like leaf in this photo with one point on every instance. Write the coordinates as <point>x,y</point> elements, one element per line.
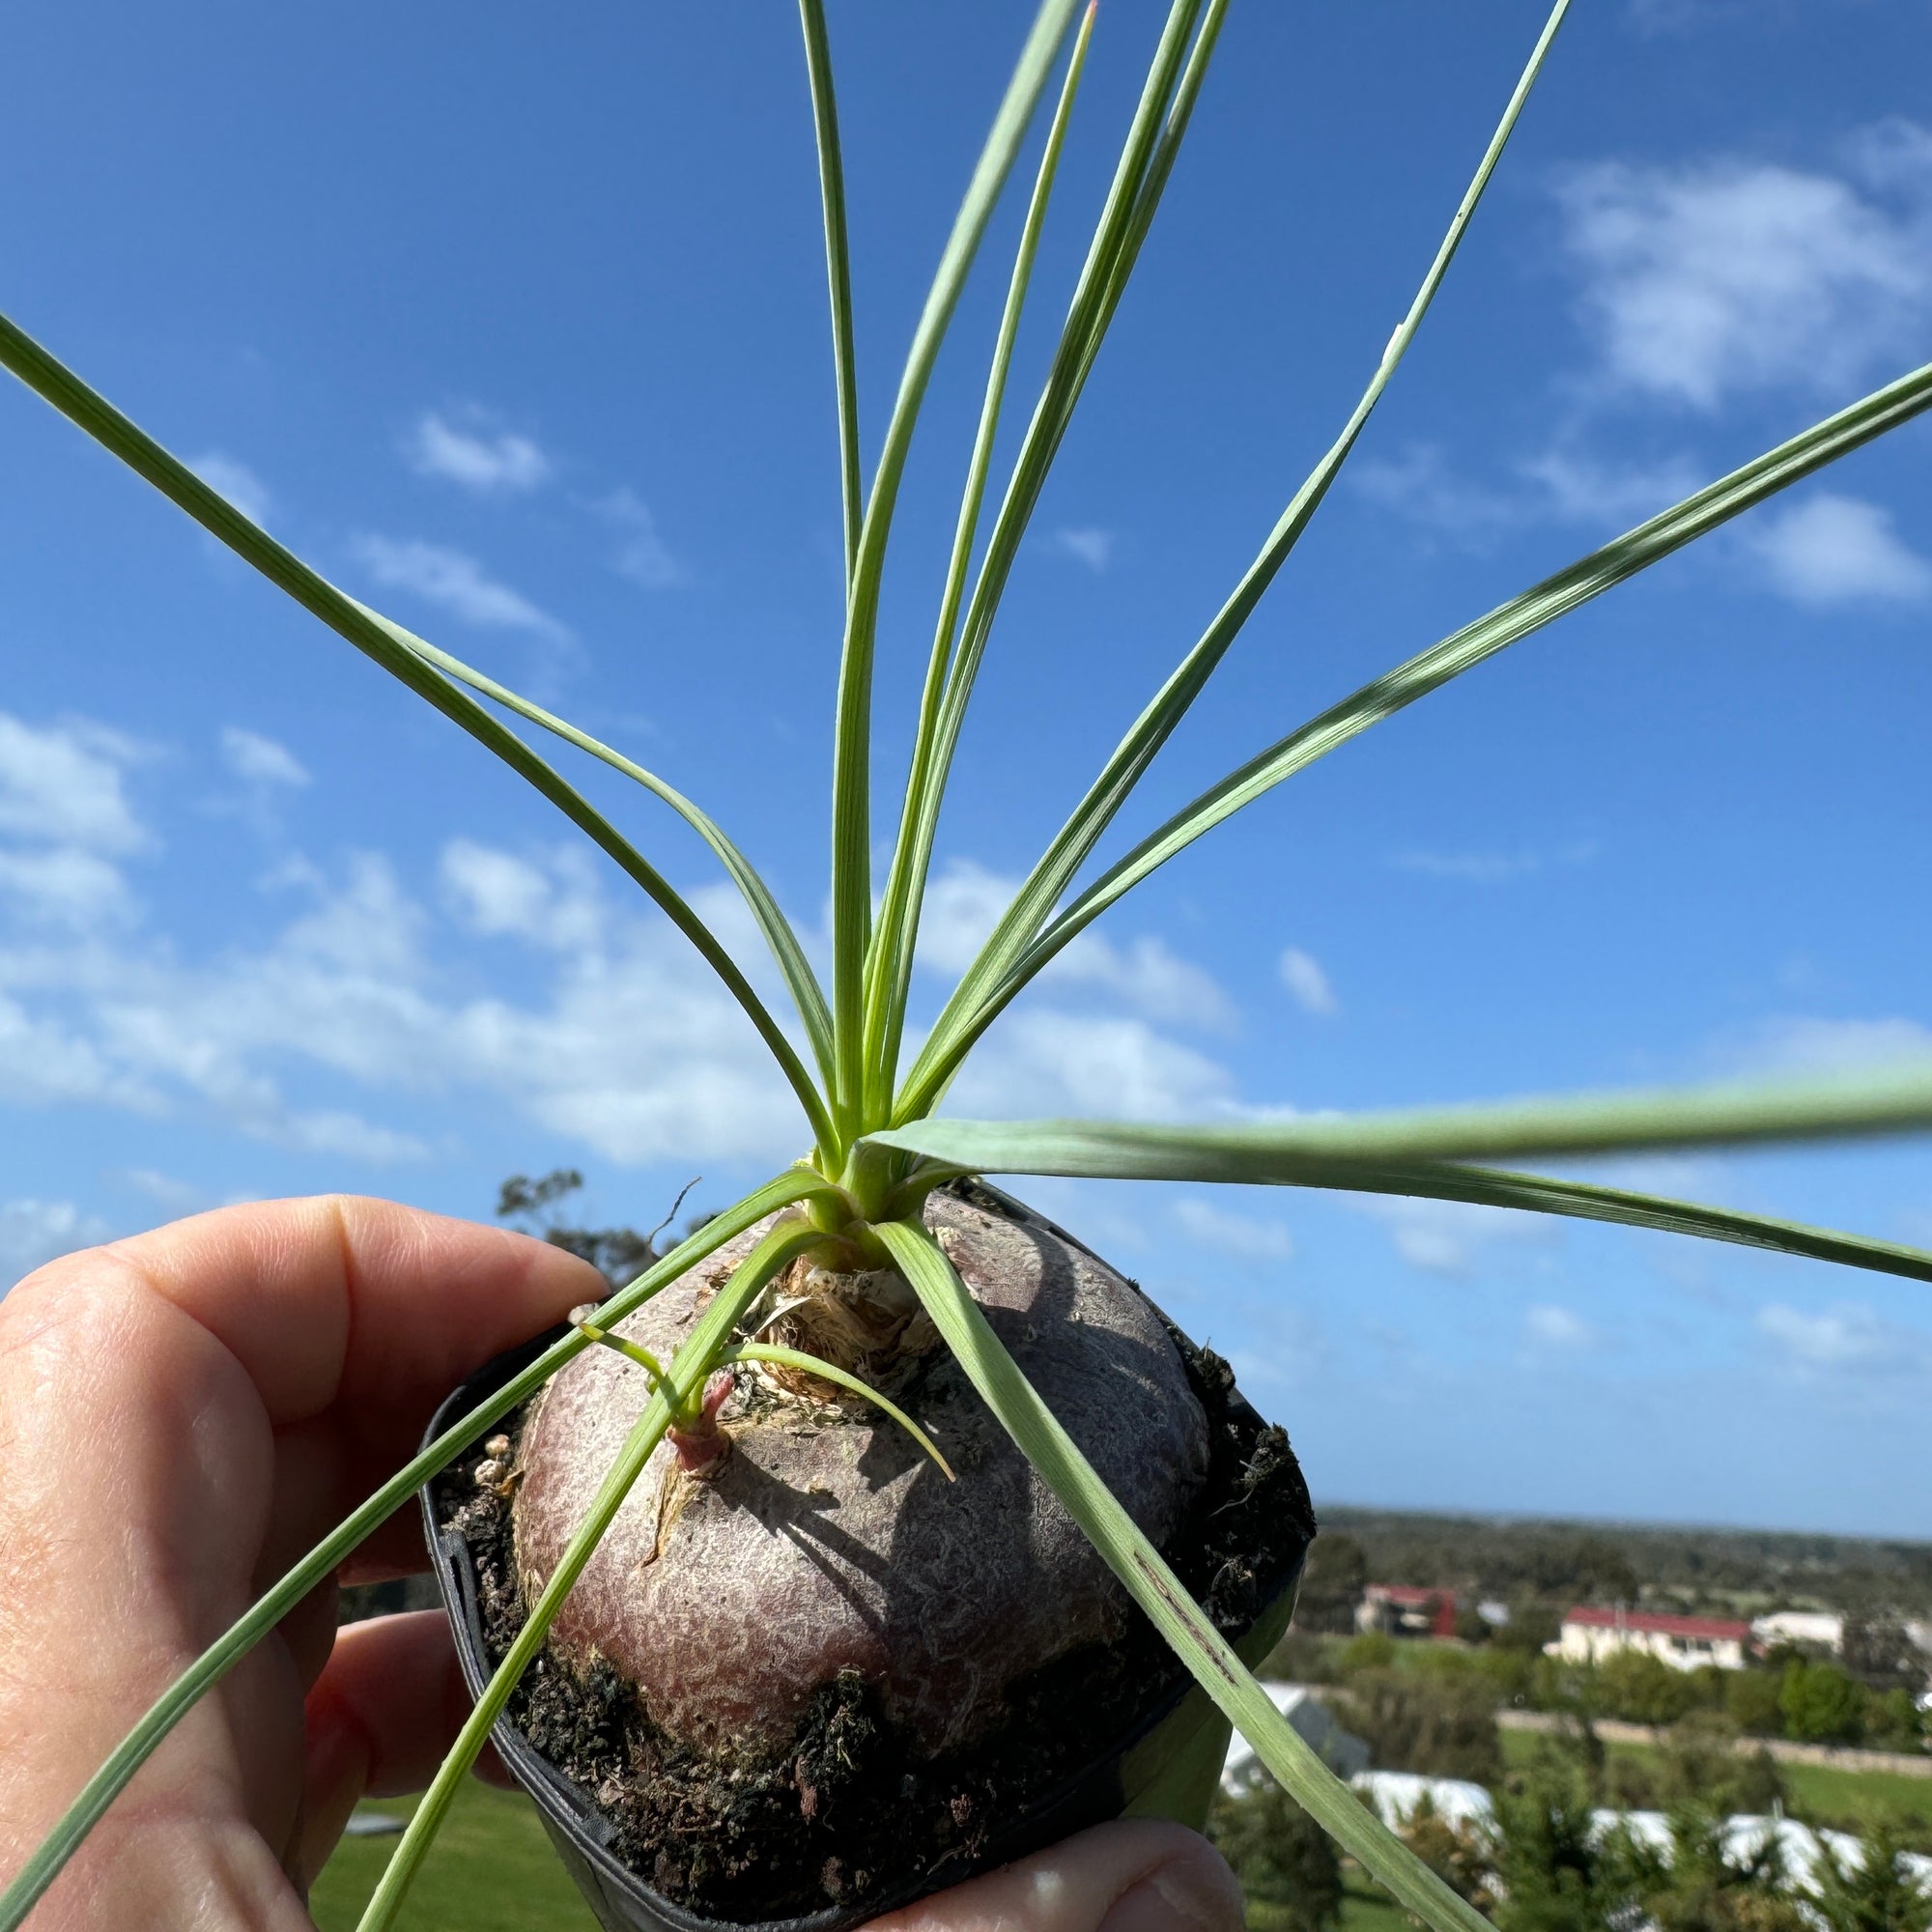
<point>837,272</point>
<point>801,981</point>
<point>59,386</point>
<point>1063,858</point>
<point>1156,1589</point>
<point>1589,576</point>
<point>852,730</point>
<point>889,967</point>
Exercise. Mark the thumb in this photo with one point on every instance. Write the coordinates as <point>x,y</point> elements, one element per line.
<point>1135,1875</point>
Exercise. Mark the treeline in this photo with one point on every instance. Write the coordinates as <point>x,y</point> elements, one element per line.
<point>1734,1571</point>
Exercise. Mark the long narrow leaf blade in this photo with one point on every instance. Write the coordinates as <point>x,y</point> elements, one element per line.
<point>41,1870</point>
<point>1282,1152</point>
<point>889,965</point>
<point>688,1371</point>
<point>1050,878</point>
<point>63,390</point>
<point>1188,1633</point>
<point>1589,576</point>
<point>851,750</point>
<point>1123,225</point>
<point>808,996</point>
<point>838,270</point>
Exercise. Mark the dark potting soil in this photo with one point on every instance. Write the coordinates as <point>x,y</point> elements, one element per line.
<point>850,1805</point>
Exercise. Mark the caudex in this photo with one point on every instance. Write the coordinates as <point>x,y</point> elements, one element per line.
<point>859,1205</point>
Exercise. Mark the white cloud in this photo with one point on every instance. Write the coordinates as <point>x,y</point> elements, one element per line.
<point>477,455</point>
<point>1722,276</point>
<point>1037,1063</point>
<point>66,886</point>
<point>1492,868</point>
<point>642,554</point>
<point>456,583</point>
<point>33,1232</point>
<point>1560,1329</point>
<point>234,479</point>
<point>1584,489</point>
<point>62,784</point>
<point>1447,1238</point>
<point>1419,484</point>
<point>963,904</point>
<point>1247,1236</point>
<point>1848,1337</point>
<point>259,760</point>
<point>1800,1044</point>
<point>1095,547</point>
<point>1837,550</point>
<point>1302,974</point>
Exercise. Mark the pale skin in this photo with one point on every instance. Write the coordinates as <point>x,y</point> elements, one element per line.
<point>182,1415</point>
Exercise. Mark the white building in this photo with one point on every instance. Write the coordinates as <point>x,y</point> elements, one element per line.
<point>1815,1630</point>
<point>1341,1752</point>
<point>1590,1635</point>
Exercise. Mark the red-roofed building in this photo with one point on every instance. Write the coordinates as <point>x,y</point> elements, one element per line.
<point>1401,1609</point>
<point>1591,1634</point>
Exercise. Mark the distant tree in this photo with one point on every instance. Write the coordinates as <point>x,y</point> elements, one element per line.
<point>1432,1722</point>
<point>1554,1871</point>
<point>1331,1587</point>
<point>1753,1701</point>
<point>1643,1689</point>
<point>1531,1625</point>
<point>1879,1652</point>
<point>1875,1892</point>
<point>1462,1855</point>
<point>1472,1627</point>
<point>1282,1857</point>
<point>618,1254</point>
<point>1893,1721</point>
<point>1821,1704</point>
<point>1706,1886</point>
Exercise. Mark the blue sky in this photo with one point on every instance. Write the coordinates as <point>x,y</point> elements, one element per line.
<point>513,324</point>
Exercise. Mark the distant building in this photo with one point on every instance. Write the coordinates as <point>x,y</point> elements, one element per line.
<point>1590,1635</point>
<point>1341,1752</point>
<point>1811,1629</point>
<point>1399,1609</point>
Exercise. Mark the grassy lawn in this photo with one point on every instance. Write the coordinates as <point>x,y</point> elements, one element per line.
<point>491,1870</point>
<point>1840,1798</point>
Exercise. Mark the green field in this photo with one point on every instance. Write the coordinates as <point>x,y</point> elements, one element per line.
<point>491,1870</point>
<point>1839,1798</point>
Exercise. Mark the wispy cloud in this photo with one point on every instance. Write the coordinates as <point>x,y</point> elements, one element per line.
<point>1560,1329</point>
<point>1849,1337</point>
<point>1726,275</point>
<point>258,760</point>
<point>642,554</point>
<point>1246,1236</point>
<point>454,582</point>
<point>1797,1043</point>
<point>236,481</point>
<point>1837,550</point>
<point>1493,868</point>
<point>1448,1237</point>
<point>1302,974</point>
<point>475,452</point>
<point>33,1232</point>
<point>1095,547</point>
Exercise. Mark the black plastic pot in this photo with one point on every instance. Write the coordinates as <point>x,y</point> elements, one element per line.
<point>1143,1773</point>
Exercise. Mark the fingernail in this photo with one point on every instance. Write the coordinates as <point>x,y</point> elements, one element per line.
<point>1179,1897</point>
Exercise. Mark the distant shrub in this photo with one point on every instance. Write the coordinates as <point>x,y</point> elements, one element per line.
<point>1438,1724</point>
<point>1282,1857</point>
<point>1821,1704</point>
<point>1753,1701</point>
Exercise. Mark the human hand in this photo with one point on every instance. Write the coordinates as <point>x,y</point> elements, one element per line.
<point>184,1414</point>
